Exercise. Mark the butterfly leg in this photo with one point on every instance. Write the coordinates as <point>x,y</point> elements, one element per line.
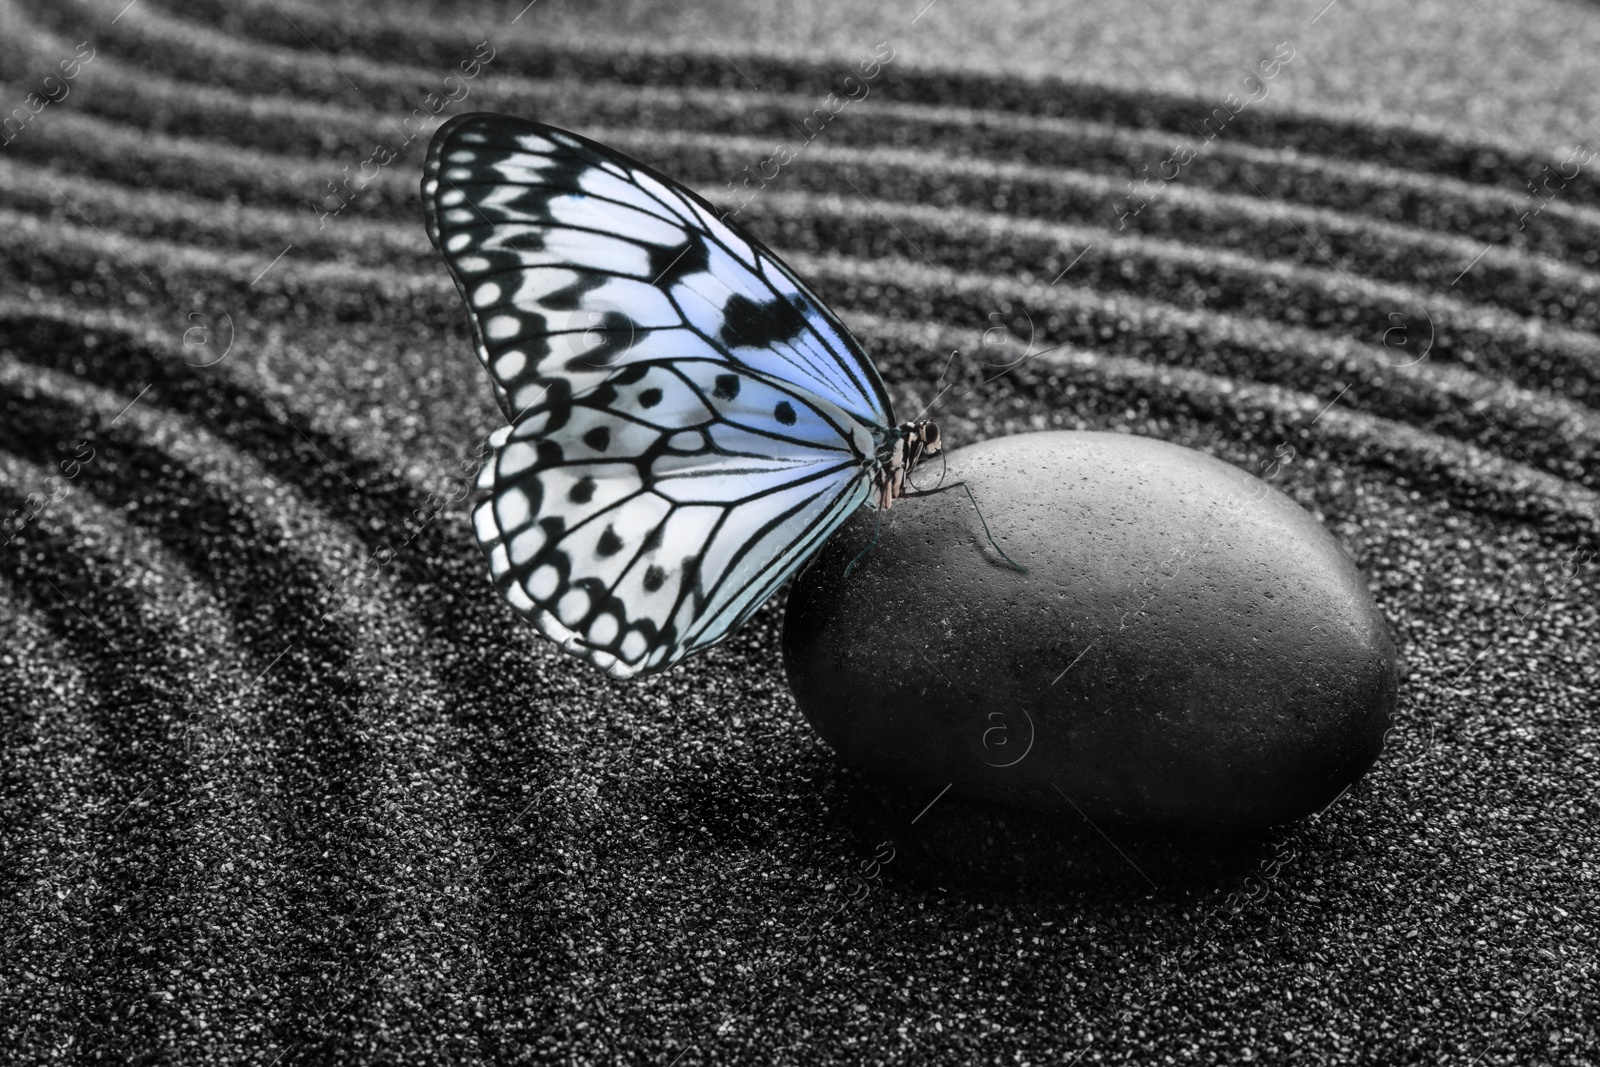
<point>963,485</point>
<point>877,527</point>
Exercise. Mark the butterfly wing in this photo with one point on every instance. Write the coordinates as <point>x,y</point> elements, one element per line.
<point>689,422</point>
<point>635,530</point>
<point>575,260</point>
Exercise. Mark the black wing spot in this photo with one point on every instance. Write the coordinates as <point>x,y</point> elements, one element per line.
<point>649,398</point>
<point>582,491</point>
<point>598,438</point>
<point>669,265</point>
<point>747,324</point>
<point>604,396</point>
<point>652,540</point>
<point>784,413</point>
<point>727,387</point>
<point>654,578</point>
<point>630,374</point>
<point>609,544</point>
<point>608,336</point>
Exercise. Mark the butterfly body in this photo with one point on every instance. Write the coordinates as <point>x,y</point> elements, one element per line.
<point>688,421</point>
<point>912,443</point>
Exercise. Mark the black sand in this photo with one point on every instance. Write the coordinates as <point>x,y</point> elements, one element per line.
<point>272,797</point>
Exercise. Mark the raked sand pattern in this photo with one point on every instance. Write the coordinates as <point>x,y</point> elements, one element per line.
<point>284,780</point>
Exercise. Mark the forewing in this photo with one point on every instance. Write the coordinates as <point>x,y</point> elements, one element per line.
<point>576,260</point>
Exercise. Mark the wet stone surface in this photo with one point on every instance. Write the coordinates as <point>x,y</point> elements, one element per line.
<point>1188,648</point>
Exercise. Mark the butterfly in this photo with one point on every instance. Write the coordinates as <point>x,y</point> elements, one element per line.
<point>688,422</point>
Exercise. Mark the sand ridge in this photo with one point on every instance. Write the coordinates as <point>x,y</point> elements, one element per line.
<point>284,779</point>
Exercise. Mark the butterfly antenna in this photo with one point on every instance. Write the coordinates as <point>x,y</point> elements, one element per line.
<point>954,352</point>
<point>877,528</point>
<point>932,402</point>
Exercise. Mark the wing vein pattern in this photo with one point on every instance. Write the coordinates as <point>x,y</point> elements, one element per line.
<point>688,422</point>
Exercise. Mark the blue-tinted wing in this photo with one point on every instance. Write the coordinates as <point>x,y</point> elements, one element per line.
<point>689,422</point>
<point>575,260</point>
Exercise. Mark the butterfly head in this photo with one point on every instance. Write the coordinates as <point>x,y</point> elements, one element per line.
<point>922,440</point>
<point>911,444</point>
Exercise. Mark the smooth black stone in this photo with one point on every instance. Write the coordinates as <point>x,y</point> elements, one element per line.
<point>1189,648</point>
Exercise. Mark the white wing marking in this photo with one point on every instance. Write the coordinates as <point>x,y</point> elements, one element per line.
<point>690,423</point>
